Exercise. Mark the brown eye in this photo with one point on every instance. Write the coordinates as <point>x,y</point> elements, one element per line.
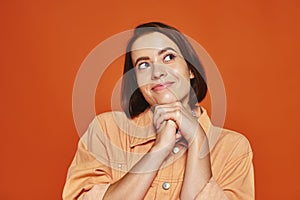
<point>169,57</point>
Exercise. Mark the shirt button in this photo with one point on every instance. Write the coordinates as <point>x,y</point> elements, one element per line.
<point>166,185</point>
<point>175,150</point>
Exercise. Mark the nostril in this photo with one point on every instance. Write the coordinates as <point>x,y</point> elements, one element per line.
<point>158,75</point>
<point>158,72</point>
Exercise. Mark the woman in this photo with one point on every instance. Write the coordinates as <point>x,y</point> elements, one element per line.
<point>158,148</point>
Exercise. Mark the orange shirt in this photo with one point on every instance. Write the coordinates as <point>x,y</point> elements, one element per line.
<point>113,144</point>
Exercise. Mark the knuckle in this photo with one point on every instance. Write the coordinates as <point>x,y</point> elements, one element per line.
<point>177,113</point>
<point>159,109</point>
<point>178,103</point>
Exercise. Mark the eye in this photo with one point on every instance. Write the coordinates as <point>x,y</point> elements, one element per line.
<point>143,65</point>
<point>169,57</point>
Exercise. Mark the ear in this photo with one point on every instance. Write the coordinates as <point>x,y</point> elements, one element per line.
<point>192,75</point>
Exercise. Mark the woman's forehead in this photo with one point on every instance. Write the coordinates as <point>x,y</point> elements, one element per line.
<point>154,40</point>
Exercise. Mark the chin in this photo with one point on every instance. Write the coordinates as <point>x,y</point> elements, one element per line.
<point>166,100</point>
<point>162,98</point>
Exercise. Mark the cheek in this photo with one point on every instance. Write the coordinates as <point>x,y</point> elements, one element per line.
<point>146,92</point>
<point>182,72</point>
<point>142,79</point>
<point>144,88</point>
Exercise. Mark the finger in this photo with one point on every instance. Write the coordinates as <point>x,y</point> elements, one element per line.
<point>178,136</point>
<point>163,114</point>
<point>161,109</point>
<point>172,124</point>
<point>161,126</point>
<point>172,114</point>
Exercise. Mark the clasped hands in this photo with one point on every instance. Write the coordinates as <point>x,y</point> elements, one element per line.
<point>172,122</point>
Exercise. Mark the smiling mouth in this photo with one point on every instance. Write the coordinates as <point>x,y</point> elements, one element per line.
<point>161,86</point>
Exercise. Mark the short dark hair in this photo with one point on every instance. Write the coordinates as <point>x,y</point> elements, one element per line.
<point>133,102</point>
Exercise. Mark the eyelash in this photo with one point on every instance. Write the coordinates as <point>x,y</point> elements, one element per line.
<point>169,54</point>
<point>140,64</point>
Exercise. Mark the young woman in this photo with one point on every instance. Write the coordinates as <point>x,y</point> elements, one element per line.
<point>159,146</point>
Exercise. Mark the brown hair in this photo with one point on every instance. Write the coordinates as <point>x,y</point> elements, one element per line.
<point>133,102</point>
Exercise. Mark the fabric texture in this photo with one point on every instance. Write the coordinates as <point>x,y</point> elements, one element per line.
<point>113,144</point>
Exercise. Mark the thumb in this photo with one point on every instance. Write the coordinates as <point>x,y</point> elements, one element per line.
<point>171,123</point>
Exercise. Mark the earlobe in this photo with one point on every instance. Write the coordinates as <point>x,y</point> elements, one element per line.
<point>192,75</point>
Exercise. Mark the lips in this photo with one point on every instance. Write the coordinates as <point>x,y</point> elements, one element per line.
<point>161,86</point>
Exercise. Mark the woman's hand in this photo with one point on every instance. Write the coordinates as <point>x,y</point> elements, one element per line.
<point>185,123</point>
<point>198,168</point>
<point>166,138</point>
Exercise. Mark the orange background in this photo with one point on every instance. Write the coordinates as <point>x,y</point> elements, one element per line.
<point>254,44</point>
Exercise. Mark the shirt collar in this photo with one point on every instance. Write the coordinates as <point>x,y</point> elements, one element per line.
<point>144,131</point>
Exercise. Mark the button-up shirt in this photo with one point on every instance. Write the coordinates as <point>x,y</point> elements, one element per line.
<point>113,144</point>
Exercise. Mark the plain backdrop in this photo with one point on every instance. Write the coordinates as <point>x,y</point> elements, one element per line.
<point>255,45</point>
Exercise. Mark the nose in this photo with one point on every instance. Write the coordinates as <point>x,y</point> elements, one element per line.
<point>158,71</point>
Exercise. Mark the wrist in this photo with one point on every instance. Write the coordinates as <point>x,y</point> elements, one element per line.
<point>199,146</point>
<point>161,150</point>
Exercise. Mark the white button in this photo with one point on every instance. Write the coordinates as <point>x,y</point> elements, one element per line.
<point>176,150</point>
<point>119,165</point>
<point>166,185</point>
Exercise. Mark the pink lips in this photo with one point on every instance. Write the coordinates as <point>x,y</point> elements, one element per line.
<point>161,86</point>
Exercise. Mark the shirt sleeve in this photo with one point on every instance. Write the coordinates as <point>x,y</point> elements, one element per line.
<point>236,181</point>
<point>88,177</point>
<point>96,193</point>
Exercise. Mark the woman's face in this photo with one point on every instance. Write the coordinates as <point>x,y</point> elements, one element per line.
<point>162,73</point>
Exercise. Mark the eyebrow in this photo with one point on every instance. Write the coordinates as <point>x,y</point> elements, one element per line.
<point>159,53</point>
<point>141,58</point>
<point>166,49</point>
